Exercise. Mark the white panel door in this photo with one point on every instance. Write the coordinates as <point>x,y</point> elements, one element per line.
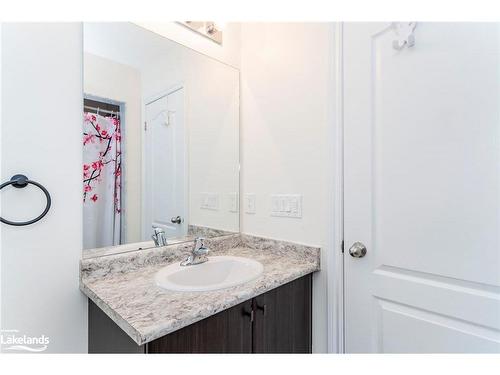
<point>422,163</point>
<point>166,165</point>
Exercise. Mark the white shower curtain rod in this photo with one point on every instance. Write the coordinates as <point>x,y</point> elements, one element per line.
<point>100,110</point>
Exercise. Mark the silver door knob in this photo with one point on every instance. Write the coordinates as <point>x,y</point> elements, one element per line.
<point>176,220</point>
<point>357,250</point>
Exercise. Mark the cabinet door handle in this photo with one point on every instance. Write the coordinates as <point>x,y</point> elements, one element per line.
<point>262,308</point>
<point>251,314</point>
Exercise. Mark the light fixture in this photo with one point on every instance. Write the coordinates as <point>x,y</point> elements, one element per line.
<point>209,29</point>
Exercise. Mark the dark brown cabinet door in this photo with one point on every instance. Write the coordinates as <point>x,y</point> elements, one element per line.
<point>283,319</point>
<point>229,331</point>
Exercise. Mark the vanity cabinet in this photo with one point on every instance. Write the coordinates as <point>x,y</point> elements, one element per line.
<point>278,321</point>
<point>229,331</point>
<point>283,319</point>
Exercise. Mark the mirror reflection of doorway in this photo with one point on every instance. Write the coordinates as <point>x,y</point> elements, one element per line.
<point>165,187</point>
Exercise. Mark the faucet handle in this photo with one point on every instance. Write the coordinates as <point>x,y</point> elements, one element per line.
<point>198,254</point>
<point>199,242</point>
<point>199,246</point>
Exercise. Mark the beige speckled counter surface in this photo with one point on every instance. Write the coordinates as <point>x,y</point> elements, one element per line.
<point>123,285</point>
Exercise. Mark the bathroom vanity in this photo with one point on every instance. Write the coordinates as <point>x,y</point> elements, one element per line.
<point>278,321</point>
<point>130,313</point>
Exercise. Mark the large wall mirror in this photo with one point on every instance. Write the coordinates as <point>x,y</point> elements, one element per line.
<point>160,141</point>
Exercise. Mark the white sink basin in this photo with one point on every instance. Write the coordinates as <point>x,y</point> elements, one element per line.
<point>218,273</point>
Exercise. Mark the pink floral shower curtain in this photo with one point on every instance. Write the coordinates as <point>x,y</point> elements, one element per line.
<point>101,181</point>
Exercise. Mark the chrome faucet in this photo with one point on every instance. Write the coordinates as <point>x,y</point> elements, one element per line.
<point>159,237</point>
<point>198,254</point>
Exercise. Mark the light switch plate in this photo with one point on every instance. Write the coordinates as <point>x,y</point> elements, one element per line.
<point>250,203</point>
<point>286,205</point>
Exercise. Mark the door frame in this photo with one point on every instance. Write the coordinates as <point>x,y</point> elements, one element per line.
<point>335,257</point>
<point>170,90</point>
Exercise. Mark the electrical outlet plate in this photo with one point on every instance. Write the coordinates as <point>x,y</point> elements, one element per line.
<point>210,201</point>
<point>286,205</point>
<point>250,203</point>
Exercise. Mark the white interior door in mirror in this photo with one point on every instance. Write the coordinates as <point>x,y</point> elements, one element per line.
<point>165,153</point>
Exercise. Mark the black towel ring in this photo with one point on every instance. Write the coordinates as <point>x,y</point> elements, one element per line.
<point>21,181</point>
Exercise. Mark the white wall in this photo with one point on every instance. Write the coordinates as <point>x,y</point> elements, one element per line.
<point>213,115</point>
<point>41,130</point>
<point>108,79</point>
<point>228,52</point>
<point>287,97</point>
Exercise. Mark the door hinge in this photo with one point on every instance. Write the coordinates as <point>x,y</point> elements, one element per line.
<point>145,126</point>
<point>342,246</point>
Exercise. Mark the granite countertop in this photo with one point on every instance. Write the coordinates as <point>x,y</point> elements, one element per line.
<point>123,285</point>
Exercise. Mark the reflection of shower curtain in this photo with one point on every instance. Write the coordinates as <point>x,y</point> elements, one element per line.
<point>101,181</point>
